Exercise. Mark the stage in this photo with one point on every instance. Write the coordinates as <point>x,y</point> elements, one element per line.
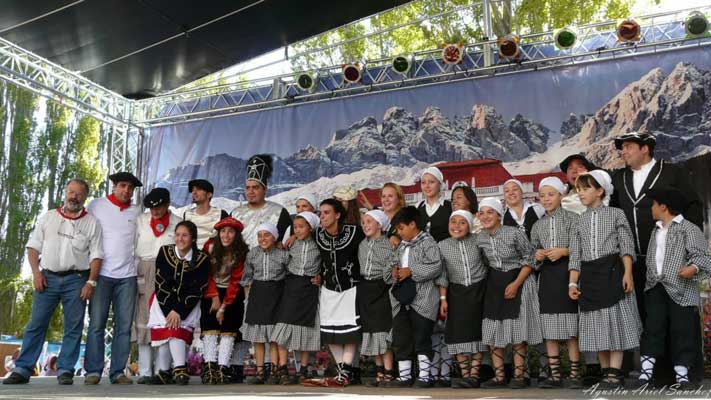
<point>47,388</point>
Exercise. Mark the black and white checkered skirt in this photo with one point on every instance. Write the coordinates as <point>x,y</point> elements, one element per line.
<point>525,328</point>
<point>611,329</point>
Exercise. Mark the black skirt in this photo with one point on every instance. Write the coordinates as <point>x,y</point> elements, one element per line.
<point>234,314</point>
<point>496,307</point>
<point>264,300</point>
<point>553,282</point>
<point>299,302</point>
<point>374,306</point>
<point>466,310</point>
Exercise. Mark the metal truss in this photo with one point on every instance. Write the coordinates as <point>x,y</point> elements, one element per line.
<point>596,42</point>
<point>47,79</point>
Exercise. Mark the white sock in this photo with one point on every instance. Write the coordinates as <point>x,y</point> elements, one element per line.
<point>238,353</point>
<point>424,363</point>
<point>163,358</point>
<point>647,368</point>
<point>224,353</point>
<point>145,359</point>
<point>177,351</point>
<point>405,368</point>
<point>681,373</point>
<point>209,348</point>
<point>337,351</point>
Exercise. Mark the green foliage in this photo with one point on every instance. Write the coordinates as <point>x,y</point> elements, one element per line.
<point>463,26</point>
<point>23,310</point>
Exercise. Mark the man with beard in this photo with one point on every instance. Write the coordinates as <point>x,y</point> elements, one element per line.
<point>257,211</point>
<point>632,185</point>
<point>203,215</point>
<point>69,242</point>
<point>116,287</point>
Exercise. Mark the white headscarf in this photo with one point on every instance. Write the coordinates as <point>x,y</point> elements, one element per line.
<point>517,182</point>
<point>311,199</point>
<point>268,227</point>
<point>380,218</point>
<point>434,171</point>
<point>604,180</point>
<point>466,215</point>
<point>492,202</point>
<point>310,217</point>
<point>555,183</point>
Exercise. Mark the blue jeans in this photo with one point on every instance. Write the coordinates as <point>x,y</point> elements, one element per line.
<point>120,295</point>
<point>66,289</point>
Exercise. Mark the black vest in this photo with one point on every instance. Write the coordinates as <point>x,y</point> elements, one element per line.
<point>438,224</point>
<point>530,218</point>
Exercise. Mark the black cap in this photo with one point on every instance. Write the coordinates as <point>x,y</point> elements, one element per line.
<point>669,196</point>
<point>640,138</point>
<point>125,177</point>
<point>156,197</point>
<point>588,165</point>
<point>203,184</point>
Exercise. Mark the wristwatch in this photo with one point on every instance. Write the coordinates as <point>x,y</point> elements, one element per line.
<point>91,282</point>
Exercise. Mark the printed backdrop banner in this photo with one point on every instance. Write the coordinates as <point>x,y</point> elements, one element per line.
<point>530,121</point>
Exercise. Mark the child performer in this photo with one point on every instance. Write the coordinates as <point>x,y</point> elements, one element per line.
<point>263,282</point>
<point>550,238</point>
<point>461,289</point>
<point>601,256</point>
<point>181,277</point>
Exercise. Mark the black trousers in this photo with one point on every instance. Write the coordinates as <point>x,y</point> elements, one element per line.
<point>412,334</point>
<point>639,274</point>
<point>668,322</point>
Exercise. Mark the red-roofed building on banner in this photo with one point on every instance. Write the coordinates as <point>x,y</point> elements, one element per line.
<point>486,176</point>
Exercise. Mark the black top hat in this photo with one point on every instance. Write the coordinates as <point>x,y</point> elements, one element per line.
<point>641,138</point>
<point>259,168</point>
<point>125,177</point>
<point>156,197</point>
<point>581,157</point>
<point>203,184</point>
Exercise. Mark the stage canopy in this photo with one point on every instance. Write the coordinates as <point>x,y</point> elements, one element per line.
<point>141,48</point>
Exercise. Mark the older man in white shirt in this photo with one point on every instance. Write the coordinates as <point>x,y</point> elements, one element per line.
<point>65,254</point>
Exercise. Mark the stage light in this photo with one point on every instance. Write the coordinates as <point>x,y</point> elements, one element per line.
<point>565,38</point>
<point>696,25</point>
<point>628,30</point>
<point>351,73</point>
<point>401,65</point>
<point>508,46</point>
<point>307,82</point>
<point>452,53</point>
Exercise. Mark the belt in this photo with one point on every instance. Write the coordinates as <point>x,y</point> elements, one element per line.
<point>68,272</point>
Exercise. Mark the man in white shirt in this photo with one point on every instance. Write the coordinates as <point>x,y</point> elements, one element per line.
<point>116,287</point>
<point>65,254</point>
<point>155,228</point>
<point>203,215</point>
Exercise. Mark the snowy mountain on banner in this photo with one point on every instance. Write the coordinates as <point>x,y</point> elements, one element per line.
<point>674,108</point>
<point>401,140</point>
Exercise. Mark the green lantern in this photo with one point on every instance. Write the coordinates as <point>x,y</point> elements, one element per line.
<point>565,38</point>
<point>696,25</point>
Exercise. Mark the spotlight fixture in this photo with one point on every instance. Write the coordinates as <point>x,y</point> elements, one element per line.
<point>351,73</point>
<point>307,82</point>
<point>401,65</point>
<point>509,46</point>
<point>696,25</point>
<point>452,54</point>
<point>565,38</point>
<point>628,31</point>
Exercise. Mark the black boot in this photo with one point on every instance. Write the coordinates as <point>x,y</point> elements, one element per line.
<point>162,378</point>
<point>180,375</point>
<point>207,375</point>
<point>237,374</point>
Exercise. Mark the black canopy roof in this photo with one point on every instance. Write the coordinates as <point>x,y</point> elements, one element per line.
<point>126,45</point>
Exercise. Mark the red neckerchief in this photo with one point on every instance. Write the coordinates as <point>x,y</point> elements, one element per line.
<point>81,214</point>
<point>117,203</point>
<point>160,225</point>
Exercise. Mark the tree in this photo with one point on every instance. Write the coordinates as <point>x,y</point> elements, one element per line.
<point>441,26</point>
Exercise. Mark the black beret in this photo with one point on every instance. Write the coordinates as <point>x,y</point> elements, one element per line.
<point>203,184</point>
<point>156,197</point>
<point>669,196</point>
<point>640,138</point>
<point>588,165</point>
<point>125,177</point>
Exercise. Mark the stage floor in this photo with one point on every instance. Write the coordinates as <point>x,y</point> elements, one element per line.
<point>46,388</point>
